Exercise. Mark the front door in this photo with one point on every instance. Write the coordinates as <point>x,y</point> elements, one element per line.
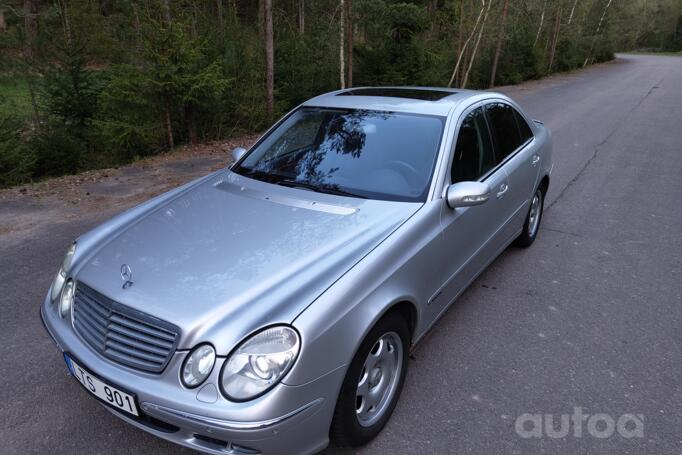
<point>471,237</point>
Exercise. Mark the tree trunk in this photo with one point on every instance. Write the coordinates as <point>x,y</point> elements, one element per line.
<point>30,27</point>
<point>165,7</point>
<point>466,43</point>
<point>555,39</point>
<point>601,19</point>
<point>221,18</point>
<point>301,16</point>
<point>500,37</point>
<point>191,124</point>
<point>460,28</point>
<point>105,7</point>
<point>269,60</point>
<point>570,17</point>
<point>350,43</point>
<point>542,20</point>
<point>342,40</point>
<point>64,14</point>
<point>478,41</point>
<point>3,22</point>
<point>261,18</point>
<point>169,127</point>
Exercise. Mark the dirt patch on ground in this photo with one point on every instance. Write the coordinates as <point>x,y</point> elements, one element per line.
<point>28,207</point>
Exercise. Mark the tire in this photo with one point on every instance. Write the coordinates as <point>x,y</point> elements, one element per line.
<point>532,224</point>
<point>354,423</point>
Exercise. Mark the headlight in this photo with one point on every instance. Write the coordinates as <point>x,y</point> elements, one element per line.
<point>198,365</point>
<point>66,302</point>
<point>58,282</point>
<point>259,363</point>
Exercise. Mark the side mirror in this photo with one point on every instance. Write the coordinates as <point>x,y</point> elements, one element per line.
<point>467,194</point>
<point>237,153</point>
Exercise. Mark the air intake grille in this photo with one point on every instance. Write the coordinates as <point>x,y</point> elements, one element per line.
<point>121,333</point>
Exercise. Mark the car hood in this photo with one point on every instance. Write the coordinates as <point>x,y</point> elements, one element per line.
<point>231,254</point>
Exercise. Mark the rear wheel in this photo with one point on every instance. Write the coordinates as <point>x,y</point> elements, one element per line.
<point>532,224</point>
<point>373,383</point>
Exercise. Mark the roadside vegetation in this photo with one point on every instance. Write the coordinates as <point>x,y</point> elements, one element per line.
<point>87,84</point>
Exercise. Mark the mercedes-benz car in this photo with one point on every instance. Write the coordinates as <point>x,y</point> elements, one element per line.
<point>271,306</point>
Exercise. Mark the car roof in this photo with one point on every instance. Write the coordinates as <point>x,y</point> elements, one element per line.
<point>418,100</point>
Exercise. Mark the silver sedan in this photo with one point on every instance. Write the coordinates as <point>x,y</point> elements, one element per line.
<point>271,306</point>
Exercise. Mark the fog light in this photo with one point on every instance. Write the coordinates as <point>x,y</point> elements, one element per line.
<point>66,302</point>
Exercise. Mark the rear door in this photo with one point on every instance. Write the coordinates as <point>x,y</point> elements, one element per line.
<point>516,151</point>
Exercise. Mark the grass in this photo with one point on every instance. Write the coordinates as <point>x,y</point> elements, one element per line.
<point>14,97</point>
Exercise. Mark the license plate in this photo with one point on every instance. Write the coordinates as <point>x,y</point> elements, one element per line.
<point>105,392</point>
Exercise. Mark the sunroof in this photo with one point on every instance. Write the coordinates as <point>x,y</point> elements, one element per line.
<point>411,93</point>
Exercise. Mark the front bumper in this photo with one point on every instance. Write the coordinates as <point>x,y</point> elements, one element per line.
<point>288,419</point>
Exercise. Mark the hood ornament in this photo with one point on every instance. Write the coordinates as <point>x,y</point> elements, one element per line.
<point>126,276</point>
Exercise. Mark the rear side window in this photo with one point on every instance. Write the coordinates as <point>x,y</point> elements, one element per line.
<point>505,129</point>
<point>524,129</point>
<point>474,155</point>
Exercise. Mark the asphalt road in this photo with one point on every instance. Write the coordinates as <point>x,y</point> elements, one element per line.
<point>589,317</point>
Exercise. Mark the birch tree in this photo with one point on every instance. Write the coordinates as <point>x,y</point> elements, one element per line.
<point>542,20</point>
<point>351,32</point>
<point>478,41</point>
<point>301,16</point>
<point>570,16</point>
<point>466,43</point>
<point>596,33</point>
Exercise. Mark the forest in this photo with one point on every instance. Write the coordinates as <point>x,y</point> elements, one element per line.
<point>95,83</point>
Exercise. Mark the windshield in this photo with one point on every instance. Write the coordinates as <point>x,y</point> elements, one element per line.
<point>360,153</point>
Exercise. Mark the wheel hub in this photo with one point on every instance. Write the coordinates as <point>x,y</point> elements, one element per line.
<point>379,379</point>
<point>375,377</point>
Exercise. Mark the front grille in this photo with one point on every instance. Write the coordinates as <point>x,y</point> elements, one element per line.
<point>122,334</point>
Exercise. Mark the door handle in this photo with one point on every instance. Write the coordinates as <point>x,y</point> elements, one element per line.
<point>503,189</point>
<point>535,160</point>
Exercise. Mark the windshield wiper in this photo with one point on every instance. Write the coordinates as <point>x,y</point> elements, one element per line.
<point>327,189</point>
<point>279,179</point>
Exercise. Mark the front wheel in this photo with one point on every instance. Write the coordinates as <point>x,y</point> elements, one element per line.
<point>532,223</point>
<point>373,383</point>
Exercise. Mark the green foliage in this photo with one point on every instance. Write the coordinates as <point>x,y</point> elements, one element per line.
<point>16,158</point>
<point>64,142</point>
<point>111,81</point>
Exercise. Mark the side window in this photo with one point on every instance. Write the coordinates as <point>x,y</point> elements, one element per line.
<point>504,128</point>
<point>474,155</point>
<point>524,129</point>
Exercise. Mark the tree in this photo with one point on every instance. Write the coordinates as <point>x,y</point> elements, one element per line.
<point>350,42</point>
<point>478,41</point>
<point>555,38</point>
<point>3,22</point>
<point>342,40</point>
<point>30,27</point>
<point>542,21</point>
<point>269,60</point>
<point>466,43</point>
<point>596,33</point>
<point>500,37</point>
<point>301,16</point>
